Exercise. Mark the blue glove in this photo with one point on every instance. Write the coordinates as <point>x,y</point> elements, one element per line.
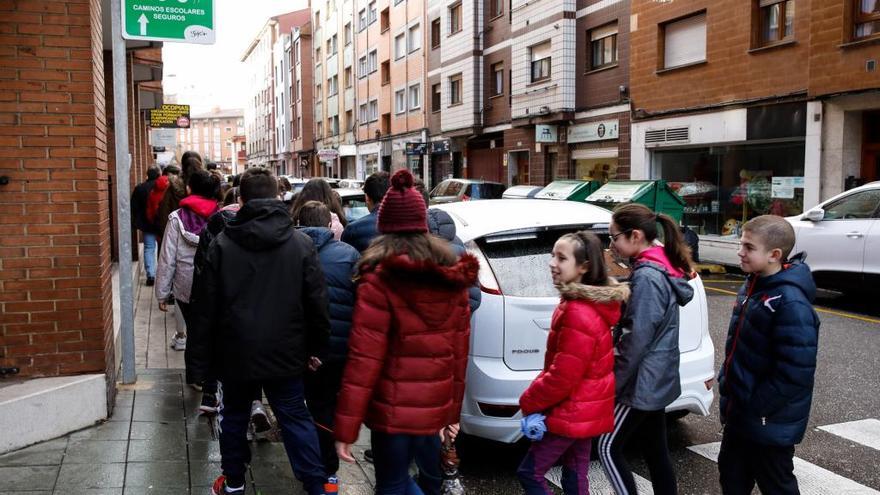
<point>533,426</point>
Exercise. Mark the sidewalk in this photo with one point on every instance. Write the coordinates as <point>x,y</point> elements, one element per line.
<point>155,442</point>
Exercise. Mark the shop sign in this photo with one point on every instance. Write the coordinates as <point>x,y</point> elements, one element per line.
<point>416,148</point>
<point>546,133</point>
<point>441,146</point>
<point>594,131</point>
<point>183,21</point>
<point>170,116</point>
<point>163,138</point>
<point>328,155</point>
<point>347,150</point>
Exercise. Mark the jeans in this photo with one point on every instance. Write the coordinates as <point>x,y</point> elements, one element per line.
<point>742,463</point>
<point>297,430</point>
<point>543,455</point>
<point>392,454</point>
<point>150,254</point>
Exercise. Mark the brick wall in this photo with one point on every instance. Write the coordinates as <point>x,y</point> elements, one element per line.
<point>602,87</point>
<point>731,71</point>
<point>834,66</point>
<point>56,315</point>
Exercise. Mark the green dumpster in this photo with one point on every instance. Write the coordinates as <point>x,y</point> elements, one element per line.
<point>655,194</point>
<point>569,190</point>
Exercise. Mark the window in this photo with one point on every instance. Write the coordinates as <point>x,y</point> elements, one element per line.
<point>362,20</point>
<point>349,124</point>
<point>603,47</point>
<point>347,34</point>
<point>435,98</point>
<point>374,110</point>
<point>455,90</point>
<point>386,72</point>
<point>318,93</point>
<point>684,41</point>
<point>497,79</point>
<point>385,25</point>
<point>347,76</point>
<point>435,33</point>
<point>362,66</point>
<point>363,114</point>
<point>455,18</point>
<point>399,46</point>
<point>318,55</point>
<point>866,21</point>
<point>860,205</point>
<point>334,125</point>
<point>317,19</point>
<point>415,38</point>
<point>540,61</point>
<point>373,61</point>
<point>776,21</point>
<point>333,86</point>
<point>334,44</point>
<point>400,101</point>
<point>415,96</point>
<point>372,9</point>
<point>496,8</point>
<point>320,129</point>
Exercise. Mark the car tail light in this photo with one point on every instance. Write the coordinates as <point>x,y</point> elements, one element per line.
<point>486,278</point>
<point>498,410</point>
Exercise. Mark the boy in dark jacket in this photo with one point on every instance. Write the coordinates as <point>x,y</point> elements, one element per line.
<point>338,261</point>
<point>263,320</point>
<point>766,380</point>
<point>360,233</point>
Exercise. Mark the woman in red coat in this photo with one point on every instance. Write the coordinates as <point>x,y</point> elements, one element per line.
<point>575,391</point>
<point>407,353</point>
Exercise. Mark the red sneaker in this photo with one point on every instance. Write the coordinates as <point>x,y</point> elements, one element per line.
<point>219,487</point>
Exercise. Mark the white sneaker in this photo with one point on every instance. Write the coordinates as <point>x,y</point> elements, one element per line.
<point>259,418</point>
<point>178,342</point>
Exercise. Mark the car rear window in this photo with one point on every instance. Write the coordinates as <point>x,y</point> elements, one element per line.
<point>521,262</point>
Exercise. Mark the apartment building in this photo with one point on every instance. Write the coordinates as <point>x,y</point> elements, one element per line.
<point>334,111</point>
<point>748,108</point>
<point>302,114</point>
<point>261,108</point>
<point>281,107</point>
<point>211,135</point>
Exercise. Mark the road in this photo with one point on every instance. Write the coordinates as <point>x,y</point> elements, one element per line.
<point>847,390</point>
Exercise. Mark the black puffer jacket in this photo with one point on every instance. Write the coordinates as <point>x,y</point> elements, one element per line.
<point>263,300</point>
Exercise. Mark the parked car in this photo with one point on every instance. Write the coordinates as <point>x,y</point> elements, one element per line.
<point>354,203</point>
<point>841,238</point>
<point>521,192</point>
<point>512,239</point>
<point>453,190</point>
<point>351,184</point>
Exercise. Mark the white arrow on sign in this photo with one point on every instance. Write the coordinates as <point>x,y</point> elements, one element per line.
<point>143,22</point>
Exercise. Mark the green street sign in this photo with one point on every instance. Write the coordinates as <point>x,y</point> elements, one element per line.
<point>182,21</point>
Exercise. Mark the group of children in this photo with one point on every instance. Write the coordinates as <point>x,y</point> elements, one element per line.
<point>377,334</point>
<point>612,360</point>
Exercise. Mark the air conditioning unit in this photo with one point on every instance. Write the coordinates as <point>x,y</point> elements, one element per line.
<point>669,135</point>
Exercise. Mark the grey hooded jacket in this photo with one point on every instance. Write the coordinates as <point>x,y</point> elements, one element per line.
<point>646,353</point>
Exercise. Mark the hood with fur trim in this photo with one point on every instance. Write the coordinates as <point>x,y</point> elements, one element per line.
<point>613,292</point>
<point>461,274</point>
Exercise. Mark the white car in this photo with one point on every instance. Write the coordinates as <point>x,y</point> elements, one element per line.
<point>513,238</point>
<point>841,238</point>
<point>354,203</point>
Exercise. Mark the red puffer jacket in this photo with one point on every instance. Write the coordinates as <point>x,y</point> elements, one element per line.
<point>576,389</point>
<point>407,353</point>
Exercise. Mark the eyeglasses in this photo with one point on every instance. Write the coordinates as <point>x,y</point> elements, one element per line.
<point>615,236</point>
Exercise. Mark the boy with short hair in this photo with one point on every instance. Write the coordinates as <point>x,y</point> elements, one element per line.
<point>766,379</point>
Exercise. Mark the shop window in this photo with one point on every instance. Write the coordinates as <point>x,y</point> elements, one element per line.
<point>435,33</point>
<point>455,90</point>
<point>725,186</point>
<point>455,18</point>
<point>866,19</point>
<point>540,59</point>
<point>435,98</point>
<point>497,79</point>
<point>603,47</point>
<point>775,21</point>
<point>684,41</point>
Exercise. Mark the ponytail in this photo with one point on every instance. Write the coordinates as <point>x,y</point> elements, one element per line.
<point>634,216</point>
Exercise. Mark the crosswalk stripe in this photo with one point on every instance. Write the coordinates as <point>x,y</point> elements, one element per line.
<point>599,483</point>
<point>863,431</point>
<point>812,479</point>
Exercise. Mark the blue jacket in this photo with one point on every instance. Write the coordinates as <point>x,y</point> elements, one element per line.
<point>766,379</point>
<point>360,233</point>
<point>338,260</point>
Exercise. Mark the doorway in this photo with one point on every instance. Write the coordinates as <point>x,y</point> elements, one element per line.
<point>517,168</point>
<point>871,146</point>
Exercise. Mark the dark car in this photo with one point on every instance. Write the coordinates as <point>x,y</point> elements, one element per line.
<point>454,190</point>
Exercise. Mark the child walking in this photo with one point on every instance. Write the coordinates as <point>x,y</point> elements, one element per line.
<point>575,391</point>
<point>408,347</point>
<point>766,381</point>
<point>646,357</point>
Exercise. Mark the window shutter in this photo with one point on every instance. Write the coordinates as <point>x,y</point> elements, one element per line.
<point>685,41</point>
<point>541,51</point>
<point>603,32</point>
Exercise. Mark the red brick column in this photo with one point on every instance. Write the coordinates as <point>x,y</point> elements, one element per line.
<point>55,291</point>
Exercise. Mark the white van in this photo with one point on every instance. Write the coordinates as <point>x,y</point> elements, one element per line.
<point>513,238</point>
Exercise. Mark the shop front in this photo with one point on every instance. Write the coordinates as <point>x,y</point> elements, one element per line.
<point>732,166</point>
<point>348,160</point>
<point>367,159</point>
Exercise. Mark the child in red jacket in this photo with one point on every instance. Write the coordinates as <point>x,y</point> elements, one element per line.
<point>575,391</point>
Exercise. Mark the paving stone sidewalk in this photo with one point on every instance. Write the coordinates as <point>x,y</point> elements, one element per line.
<point>155,442</point>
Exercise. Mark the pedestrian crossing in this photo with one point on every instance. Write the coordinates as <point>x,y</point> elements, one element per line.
<point>812,479</point>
